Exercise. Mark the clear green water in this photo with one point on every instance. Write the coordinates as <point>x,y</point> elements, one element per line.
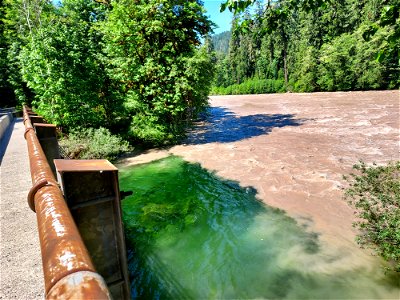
<point>192,235</point>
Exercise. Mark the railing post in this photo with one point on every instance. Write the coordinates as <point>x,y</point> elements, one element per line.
<point>91,190</point>
<point>36,119</point>
<point>47,136</point>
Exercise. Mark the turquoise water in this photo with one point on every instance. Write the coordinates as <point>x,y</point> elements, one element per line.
<point>193,235</point>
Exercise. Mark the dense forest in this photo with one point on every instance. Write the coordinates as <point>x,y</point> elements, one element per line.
<point>144,69</point>
<point>306,46</point>
<point>135,67</point>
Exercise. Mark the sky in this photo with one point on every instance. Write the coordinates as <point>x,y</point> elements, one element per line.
<point>223,20</point>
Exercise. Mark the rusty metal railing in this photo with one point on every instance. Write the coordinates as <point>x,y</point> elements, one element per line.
<point>68,270</point>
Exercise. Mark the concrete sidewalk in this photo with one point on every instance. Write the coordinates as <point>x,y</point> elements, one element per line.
<point>21,265</point>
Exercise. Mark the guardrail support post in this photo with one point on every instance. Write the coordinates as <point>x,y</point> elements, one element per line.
<point>36,119</point>
<point>47,137</point>
<point>91,190</point>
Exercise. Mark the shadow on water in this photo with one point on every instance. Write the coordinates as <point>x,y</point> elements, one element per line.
<point>192,235</point>
<point>221,125</point>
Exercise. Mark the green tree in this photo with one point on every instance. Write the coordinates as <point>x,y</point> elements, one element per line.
<point>277,21</point>
<point>21,19</point>
<point>60,58</point>
<point>6,92</point>
<point>389,54</point>
<point>347,63</point>
<point>153,53</point>
<point>304,76</point>
<point>222,75</point>
<point>315,45</point>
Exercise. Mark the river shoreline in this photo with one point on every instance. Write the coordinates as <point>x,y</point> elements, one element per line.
<point>293,149</point>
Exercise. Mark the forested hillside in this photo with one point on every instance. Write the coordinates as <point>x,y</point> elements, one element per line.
<point>221,42</point>
<point>305,46</point>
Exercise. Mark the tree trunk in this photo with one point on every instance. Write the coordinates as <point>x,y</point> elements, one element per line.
<point>285,69</point>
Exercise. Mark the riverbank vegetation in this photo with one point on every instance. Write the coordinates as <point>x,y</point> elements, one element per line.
<point>90,143</point>
<point>137,68</point>
<point>144,69</point>
<point>375,192</point>
<point>310,46</point>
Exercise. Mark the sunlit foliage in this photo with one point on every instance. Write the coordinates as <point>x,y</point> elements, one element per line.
<point>375,193</point>
<point>313,45</point>
<point>136,67</point>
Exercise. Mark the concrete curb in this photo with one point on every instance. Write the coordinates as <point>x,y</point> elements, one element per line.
<point>5,122</point>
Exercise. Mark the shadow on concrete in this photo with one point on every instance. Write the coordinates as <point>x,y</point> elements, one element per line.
<point>223,126</point>
<point>6,138</point>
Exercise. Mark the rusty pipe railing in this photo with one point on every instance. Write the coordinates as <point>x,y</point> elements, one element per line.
<point>68,269</point>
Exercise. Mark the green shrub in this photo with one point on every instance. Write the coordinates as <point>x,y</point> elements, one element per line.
<point>93,143</point>
<point>375,193</point>
<point>252,86</point>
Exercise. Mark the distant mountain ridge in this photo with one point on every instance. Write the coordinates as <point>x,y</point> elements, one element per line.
<point>220,41</point>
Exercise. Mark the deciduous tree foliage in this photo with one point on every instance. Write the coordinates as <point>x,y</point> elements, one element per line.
<point>62,64</point>
<point>55,54</point>
<point>136,67</point>
<point>20,18</point>
<point>164,77</point>
<point>6,90</point>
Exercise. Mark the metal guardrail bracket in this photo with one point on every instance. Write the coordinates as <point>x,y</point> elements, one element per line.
<point>92,193</point>
<point>35,188</point>
<point>68,269</point>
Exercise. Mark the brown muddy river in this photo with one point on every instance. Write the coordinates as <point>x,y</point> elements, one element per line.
<point>292,151</point>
